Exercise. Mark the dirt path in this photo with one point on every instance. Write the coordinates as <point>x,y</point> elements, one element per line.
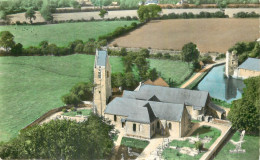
<point>201,72</point>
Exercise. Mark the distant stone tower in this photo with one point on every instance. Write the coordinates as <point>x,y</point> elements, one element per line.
<point>231,63</point>
<point>102,82</point>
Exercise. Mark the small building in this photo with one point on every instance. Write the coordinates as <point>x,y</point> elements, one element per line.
<point>148,2</point>
<point>249,68</point>
<point>158,82</point>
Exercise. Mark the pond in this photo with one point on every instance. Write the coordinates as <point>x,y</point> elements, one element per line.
<point>220,87</point>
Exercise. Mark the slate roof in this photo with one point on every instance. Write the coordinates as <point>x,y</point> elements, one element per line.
<point>216,107</point>
<point>251,64</point>
<point>101,58</point>
<point>144,111</point>
<point>197,99</point>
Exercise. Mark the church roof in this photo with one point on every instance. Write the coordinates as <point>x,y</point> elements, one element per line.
<point>195,98</point>
<point>101,58</point>
<point>144,111</point>
<point>251,64</point>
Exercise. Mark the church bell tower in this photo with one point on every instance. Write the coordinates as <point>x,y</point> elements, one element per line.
<point>102,82</point>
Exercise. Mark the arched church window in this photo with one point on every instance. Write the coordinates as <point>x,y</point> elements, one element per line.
<point>170,126</point>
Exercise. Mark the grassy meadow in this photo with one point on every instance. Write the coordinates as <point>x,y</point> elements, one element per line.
<point>30,86</point>
<point>63,33</point>
<point>178,71</point>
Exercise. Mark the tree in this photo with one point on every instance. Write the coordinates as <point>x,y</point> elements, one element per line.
<point>190,52</point>
<point>128,62</point>
<point>71,99</point>
<point>117,80</point>
<point>244,113</point>
<point>83,91</point>
<point>142,65</point>
<point>62,139</point>
<point>6,40</point>
<point>30,14</point>
<point>123,51</point>
<point>145,13</point>
<point>3,15</point>
<point>17,49</point>
<point>130,81</point>
<point>102,13</point>
<point>153,74</point>
<point>75,4</point>
<point>46,13</point>
<point>44,44</point>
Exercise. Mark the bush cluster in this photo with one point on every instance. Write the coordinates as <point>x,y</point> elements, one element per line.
<point>190,15</point>
<point>119,31</point>
<point>246,15</point>
<point>165,56</point>
<point>221,56</point>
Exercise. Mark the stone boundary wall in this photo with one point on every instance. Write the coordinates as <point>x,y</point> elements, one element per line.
<point>152,51</point>
<point>48,114</point>
<point>212,152</point>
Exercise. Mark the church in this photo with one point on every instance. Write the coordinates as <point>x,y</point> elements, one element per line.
<point>149,109</point>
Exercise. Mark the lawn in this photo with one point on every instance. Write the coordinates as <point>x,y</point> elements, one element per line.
<point>207,131</point>
<point>30,86</point>
<point>178,71</point>
<point>134,143</point>
<point>84,112</point>
<point>202,131</point>
<point>251,145</point>
<point>63,33</point>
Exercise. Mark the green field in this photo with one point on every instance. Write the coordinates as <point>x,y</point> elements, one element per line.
<point>178,71</point>
<point>251,145</point>
<point>63,33</point>
<point>30,86</point>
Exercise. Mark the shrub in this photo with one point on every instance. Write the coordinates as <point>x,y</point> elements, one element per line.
<point>79,112</point>
<point>176,57</point>
<point>73,109</point>
<point>64,110</point>
<point>115,45</point>
<point>199,145</point>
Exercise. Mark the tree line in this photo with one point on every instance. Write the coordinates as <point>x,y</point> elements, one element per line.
<point>45,48</point>
<point>45,7</point>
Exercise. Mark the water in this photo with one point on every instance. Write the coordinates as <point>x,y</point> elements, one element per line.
<point>220,87</point>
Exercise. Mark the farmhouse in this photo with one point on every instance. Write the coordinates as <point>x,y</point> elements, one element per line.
<point>249,68</point>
